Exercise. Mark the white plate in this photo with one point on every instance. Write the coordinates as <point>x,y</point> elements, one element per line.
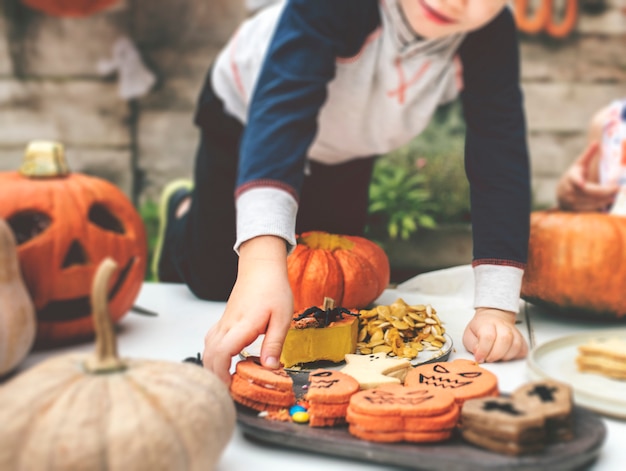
<point>557,359</point>
<point>426,356</point>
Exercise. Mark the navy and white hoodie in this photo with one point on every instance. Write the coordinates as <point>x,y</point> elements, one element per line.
<point>334,80</point>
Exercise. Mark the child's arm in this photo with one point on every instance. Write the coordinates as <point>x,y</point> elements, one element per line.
<point>497,166</point>
<point>260,302</point>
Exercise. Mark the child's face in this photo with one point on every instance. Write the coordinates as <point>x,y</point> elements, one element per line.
<point>436,18</point>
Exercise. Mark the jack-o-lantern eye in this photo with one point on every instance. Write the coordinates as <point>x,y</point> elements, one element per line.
<point>27,225</point>
<point>471,374</point>
<point>104,219</point>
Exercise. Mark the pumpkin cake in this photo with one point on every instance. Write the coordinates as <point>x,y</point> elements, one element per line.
<point>319,334</point>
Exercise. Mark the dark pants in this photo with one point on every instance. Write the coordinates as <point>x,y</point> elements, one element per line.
<point>333,198</point>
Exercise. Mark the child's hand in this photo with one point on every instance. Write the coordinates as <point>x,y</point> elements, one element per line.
<point>578,188</point>
<point>492,336</point>
<point>260,303</point>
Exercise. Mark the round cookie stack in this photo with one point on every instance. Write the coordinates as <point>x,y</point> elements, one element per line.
<point>260,388</point>
<point>328,395</point>
<point>395,413</point>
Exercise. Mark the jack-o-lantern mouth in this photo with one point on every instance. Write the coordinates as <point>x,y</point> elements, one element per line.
<point>441,382</point>
<point>77,308</point>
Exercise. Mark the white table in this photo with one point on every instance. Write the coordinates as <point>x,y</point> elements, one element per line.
<point>178,332</point>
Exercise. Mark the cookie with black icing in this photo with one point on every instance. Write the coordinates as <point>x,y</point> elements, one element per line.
<point>503,425</point>
<point>465,379</point>
<point>554,400</point>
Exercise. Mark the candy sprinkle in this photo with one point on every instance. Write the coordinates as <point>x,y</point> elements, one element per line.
<point>296,408</point>
<point>301,417</point>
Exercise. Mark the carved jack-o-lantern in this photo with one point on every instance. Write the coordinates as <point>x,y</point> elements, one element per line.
<point>65,224</point>
<point>463,378</point>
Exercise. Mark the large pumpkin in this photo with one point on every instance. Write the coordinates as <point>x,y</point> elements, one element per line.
<point>577,263</point>
<point>65,224</point>
<point>89,412</point>
<point>70,8</point>
<point>352,270</point>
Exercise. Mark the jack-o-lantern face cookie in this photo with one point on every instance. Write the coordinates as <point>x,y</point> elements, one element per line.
<point>463,378</point>
<point>330,386</point>
<point>328,395</point>
<point>391,400</point>
<point>393,413</point>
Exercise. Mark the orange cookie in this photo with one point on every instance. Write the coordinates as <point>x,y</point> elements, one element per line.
<point>252,404</point>
<point>260,388</point>
<point>330,386</point>
<point>328,395</point>
<point>252,370</point>
<point>445,421</point>
<point>392,400</point>
<point>254,392</point>
<point>373,422</point>
<point>394,413</point>
<point>465,379</point>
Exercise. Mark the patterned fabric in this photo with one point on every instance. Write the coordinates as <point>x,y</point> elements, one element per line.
<point>613,146</point>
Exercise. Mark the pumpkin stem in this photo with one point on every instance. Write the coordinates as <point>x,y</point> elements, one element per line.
<point>44,159</point>
<point>105,358</point>
<point>329,303</point>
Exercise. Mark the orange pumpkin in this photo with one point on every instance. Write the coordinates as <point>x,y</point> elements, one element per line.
<point>65,224</point>
<point>70,8</point>
<point>352,270</point>
<point>577,263</point>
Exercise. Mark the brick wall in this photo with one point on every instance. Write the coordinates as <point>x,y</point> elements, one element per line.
<point>50,87</point>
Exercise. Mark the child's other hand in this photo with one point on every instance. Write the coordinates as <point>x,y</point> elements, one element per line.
<point>260,303</point>
<point>492,336</point>
<point>578,188</point>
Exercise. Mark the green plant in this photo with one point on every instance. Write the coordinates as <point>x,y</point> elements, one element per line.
<point>422,184</point>
<point>399,201</point>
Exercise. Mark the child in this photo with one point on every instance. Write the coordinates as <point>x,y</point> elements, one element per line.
<point>293,114</point>
<point>587,185</point>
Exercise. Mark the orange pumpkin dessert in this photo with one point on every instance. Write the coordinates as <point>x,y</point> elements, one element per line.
<point>318,334</point>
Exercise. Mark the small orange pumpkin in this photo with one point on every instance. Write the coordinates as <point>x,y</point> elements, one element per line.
<point>65,224</point>
<point>70,8</point>
<point>352,270</point>
<point>577,263</point>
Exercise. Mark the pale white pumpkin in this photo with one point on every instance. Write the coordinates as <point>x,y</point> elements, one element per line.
<point>17,312</point>
<point>76,412</point>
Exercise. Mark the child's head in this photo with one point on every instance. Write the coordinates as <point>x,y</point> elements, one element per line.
<point>436,18</point>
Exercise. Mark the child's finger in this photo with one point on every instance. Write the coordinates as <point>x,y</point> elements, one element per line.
<point>217,362</point>
<point>273,341</point>
<point>486,342</point>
